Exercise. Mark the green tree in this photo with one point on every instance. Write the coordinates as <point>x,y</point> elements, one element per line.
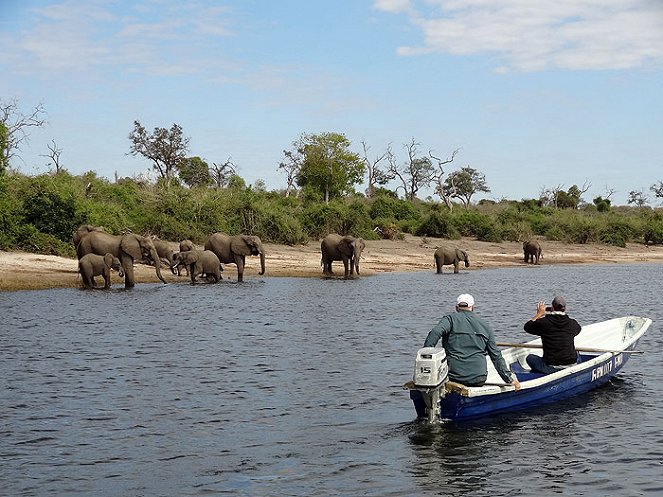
<point>464,183</point>
<point>602,204</point>
<point>4,160</point>
<point>194,171</point>
<point>329,167</point>
<point>166,148</point>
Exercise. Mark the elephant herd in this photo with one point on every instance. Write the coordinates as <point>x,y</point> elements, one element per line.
<point>100,252</point>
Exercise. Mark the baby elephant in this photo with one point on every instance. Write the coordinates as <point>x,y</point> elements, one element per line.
<point>448,255</point>
<point>199,262</point>
<point>92,265</point>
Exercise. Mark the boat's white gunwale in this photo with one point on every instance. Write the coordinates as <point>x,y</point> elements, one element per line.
<point>562,373</point>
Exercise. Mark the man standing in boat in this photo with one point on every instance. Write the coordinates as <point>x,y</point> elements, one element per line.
<point>557,331</point>
<point>467,339</point>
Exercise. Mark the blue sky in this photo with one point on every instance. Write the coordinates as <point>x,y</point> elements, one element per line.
<point>535,93</point>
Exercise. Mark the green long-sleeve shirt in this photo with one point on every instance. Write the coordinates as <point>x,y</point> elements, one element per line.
<point>467,339</point>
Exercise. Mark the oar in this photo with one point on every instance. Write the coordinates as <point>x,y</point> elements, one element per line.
<point>579,349</point>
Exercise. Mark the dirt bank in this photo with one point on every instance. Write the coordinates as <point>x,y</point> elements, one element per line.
<point>25,271</point>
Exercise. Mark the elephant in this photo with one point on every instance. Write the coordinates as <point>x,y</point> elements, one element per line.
<point>91,265</point>
<point>449,255</point>
<point>233,249</point>
<point>127,248</point>
<point>341,248</point>
<point>532,251</point>
<point>185,246</point>
<point>199,262</point>
<point>165,251</point>
<point>82,231</point>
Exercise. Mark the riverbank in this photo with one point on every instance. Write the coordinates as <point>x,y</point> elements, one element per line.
<point>27,271</point>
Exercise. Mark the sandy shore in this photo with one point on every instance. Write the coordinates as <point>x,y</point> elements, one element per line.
<point>26,271</point>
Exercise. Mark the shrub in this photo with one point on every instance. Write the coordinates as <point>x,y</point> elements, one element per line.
<point>438,225</point>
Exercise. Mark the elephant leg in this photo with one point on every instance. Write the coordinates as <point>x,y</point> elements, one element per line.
<point>107,278</point>
<point>455,267</point>
<point>345,265</point>
<point>88,281</point>
<point>239,261</point>
<point>128,267</point>
<point>438,265</point>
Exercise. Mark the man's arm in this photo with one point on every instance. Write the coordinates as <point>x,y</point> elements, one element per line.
<point>434,335</point>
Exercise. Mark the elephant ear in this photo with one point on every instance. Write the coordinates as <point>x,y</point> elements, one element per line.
<point>108,260</point>
<point>242,244</point>
<point>191,257</point>
<point>130,244</point>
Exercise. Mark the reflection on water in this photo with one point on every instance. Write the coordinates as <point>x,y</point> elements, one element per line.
<point>284,386</point>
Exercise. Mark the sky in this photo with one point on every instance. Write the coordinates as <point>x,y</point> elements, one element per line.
<point>534,94</point>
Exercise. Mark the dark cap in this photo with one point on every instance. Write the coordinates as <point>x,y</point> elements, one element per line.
<point>559,303</point>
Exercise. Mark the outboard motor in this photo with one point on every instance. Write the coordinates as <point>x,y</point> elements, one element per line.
<point>431,373</point>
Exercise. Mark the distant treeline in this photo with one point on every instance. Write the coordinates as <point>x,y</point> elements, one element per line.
<point>39,214</point>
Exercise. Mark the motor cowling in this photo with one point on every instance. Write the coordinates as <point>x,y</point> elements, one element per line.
<point>430,368</point>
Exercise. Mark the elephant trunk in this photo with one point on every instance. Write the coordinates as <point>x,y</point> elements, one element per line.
<point>355,259</point>
<point>157,264</point>
<point>262,263</point>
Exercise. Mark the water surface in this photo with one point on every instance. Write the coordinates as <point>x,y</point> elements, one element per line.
<point>288,386</point>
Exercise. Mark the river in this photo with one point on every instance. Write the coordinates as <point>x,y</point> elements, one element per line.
<point>292,386</point>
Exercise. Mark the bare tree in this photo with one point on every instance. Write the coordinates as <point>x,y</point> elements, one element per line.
<point>637,197</point>
<point>54,154</point>
<point>445,194</point>
<point>14,126</point>
<point>291,166</point>
<point>657,189</point>
<point>415,173</point>
<point>549,196</point>
<point>221,173</point>
<point>376,176</point>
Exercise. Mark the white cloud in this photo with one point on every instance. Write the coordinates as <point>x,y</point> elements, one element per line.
<point>78,35</point>
<point>393,6</point>
<point>533,35</point>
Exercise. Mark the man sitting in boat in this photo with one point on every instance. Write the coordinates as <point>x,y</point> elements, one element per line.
<point>467,339</point>
<point>557,331</point>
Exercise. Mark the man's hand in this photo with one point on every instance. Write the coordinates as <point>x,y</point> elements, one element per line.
<point>540,310</point>
<point>515,383</point>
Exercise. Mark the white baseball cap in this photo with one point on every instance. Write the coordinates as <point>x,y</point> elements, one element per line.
<point>465,300</point>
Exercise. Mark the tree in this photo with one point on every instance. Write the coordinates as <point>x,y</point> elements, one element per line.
<point>221,173</point>
<point>637,197</point>
<point>445,195</point>
<point>4,160</point>
<point>13,129</point>
<point>54,154</point>
<point>292,165</point>
<point>602,204</point>
<point>415,173</point>
<point>194,171</point>
<point>657,188</point>
<point>166,148</point>
<point>329,167</point>
<point>464,183</point>
<point>376,176</point>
